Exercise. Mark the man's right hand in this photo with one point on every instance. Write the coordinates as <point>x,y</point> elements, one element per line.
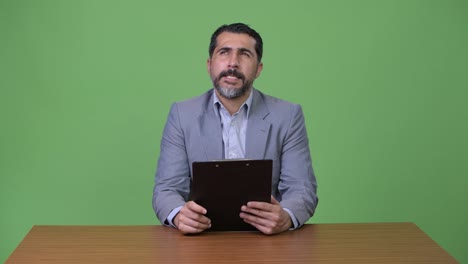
<point>191,219</point>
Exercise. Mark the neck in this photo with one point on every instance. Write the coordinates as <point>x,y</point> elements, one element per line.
<point>232,105</point>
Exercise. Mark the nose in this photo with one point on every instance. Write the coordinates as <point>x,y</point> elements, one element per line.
<point>233,61</point>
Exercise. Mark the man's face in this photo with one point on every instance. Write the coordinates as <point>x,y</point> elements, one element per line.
<point>233,67</point>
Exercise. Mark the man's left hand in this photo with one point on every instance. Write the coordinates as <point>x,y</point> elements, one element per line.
<point>269,218</point>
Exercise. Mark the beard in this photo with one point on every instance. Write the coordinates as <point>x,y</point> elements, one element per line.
<point>231,93</point>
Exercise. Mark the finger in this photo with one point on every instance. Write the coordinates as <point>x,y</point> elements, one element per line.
<point>254,211</point>
<point>188,229</point>
<point>196,207</point>
<point>258,220</point>
<point>187,225</point>
<point>262,228</point>
<point>202,224</point>
<point>274,201</point>
<point>266,226</point>
<point>187,213</point>
<point>260,206</point>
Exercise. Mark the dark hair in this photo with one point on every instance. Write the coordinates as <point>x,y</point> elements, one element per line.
<point>239,28</point>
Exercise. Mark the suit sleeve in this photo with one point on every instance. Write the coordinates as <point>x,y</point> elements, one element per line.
<point>172,180</point>
<point>297,185</point>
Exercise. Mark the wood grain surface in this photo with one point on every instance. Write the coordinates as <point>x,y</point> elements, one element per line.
<point>313,243</point>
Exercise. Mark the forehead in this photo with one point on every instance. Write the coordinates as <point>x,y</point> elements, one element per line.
<point>235,41</point>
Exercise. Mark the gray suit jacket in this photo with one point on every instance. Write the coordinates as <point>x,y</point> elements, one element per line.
<point>275,130</point>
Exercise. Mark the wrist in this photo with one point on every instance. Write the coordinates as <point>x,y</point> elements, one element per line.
<point>176,221</point>
<point>289,224</point>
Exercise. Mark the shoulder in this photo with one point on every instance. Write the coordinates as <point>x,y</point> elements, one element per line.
<point>193,106</point>
<point>276,106</point>
<point>196,102</point>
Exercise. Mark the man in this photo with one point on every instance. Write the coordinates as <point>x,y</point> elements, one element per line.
<point>232,121</point>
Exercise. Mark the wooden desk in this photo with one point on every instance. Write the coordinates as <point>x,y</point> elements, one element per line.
<point>317,243</point>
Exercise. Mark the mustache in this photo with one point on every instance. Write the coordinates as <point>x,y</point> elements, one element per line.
<point>232,72</point>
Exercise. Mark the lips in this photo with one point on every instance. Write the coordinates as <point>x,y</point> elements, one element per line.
<point>230,77</point>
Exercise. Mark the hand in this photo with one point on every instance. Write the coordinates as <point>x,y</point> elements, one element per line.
<point>191,219</point>
<point>269,218</point>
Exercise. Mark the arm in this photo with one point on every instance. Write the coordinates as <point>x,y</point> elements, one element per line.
<point>297,184</point>
<point>172,180</point>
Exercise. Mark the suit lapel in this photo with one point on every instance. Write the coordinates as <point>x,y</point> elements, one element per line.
<point>211,132</point>
<point>258,128</point>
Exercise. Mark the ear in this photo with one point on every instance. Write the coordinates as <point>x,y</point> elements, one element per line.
<point>259,69</point>
<point>208,65</point>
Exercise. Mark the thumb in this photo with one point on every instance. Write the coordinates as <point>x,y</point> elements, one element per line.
<point>274,201</point>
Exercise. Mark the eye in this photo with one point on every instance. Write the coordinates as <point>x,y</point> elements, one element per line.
<point>245,53</point>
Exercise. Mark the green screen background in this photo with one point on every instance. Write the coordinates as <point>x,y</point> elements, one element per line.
<point>86,87</point>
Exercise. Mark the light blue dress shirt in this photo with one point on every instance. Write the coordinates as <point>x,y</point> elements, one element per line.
<point>234,127</point>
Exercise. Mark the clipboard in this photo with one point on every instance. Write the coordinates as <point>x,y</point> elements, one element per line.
<point>223,186</point>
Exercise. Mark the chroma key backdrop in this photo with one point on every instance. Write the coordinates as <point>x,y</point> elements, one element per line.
<point>86,86</point>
